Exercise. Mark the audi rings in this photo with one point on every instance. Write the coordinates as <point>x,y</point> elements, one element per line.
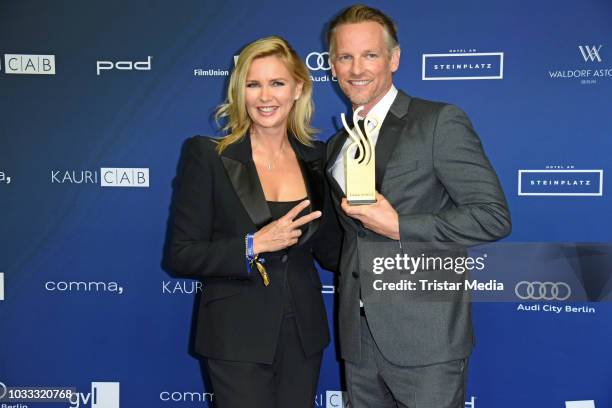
<point>318,61</point>
<point>542,290</point>
<point>3,390</point>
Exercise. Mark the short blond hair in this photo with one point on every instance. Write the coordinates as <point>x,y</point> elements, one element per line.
<point>360,13</point>
<point>234,107</point>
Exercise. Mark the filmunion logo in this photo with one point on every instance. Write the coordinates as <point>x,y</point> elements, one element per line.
<point>463,65</point>
<point>29,64</point>
<point>560,182</point>
<point>580,404</point>
<point>106,177</point>
<point>102,395</point>
<point>1,285</point>
<point>211,72</point>
<point>123,65</point>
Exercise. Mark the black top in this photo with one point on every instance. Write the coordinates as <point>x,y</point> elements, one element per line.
<point>279,209</point>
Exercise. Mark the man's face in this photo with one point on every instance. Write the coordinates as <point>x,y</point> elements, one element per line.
<point>362,63</point>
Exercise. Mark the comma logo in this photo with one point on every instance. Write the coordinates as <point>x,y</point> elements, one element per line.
<point>590,53</point>
<point>4,178</point>
<point>29,64</point>
<point>84,286</point>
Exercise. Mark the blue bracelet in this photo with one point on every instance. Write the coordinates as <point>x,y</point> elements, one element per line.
<point>250,256</point>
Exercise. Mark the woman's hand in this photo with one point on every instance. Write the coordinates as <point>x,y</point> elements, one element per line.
<point>283,232</point>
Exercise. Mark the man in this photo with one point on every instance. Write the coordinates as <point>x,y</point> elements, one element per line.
<point>434,185</point>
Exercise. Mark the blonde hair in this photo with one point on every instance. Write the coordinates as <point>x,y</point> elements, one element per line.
<point>360,13</point>
<point>234,107</point>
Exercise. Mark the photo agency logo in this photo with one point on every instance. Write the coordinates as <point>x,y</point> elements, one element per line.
<point>319,63</point>
<point>588,70</point>
<point>102,395</point>
<point>560,181</point>
<point>123,65</point>
<point>29,64</point>
<point>463,65</point>
<point>105,177</point>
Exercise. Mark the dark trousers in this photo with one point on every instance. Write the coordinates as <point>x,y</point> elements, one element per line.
<point>290,381</point>
<point>375,382</point>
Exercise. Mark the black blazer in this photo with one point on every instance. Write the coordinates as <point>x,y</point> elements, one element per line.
<point>217,201</point>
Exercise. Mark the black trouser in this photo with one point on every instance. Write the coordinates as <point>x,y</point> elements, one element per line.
<point>290,381</point>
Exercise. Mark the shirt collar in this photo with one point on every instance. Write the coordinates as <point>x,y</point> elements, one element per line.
<point>381,109</point>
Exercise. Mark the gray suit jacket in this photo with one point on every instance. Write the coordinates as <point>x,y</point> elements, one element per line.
<point>431,167</point>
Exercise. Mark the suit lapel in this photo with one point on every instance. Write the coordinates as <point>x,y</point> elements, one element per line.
<point>389,134</point>
<point>240,168</point>
<point>238,162</point>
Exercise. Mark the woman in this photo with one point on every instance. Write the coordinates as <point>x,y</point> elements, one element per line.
<point>249,212</point>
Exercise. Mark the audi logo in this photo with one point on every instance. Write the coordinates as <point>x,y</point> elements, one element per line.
<point>542,290</point>
<point>317,61</point>
<point>3,390</point>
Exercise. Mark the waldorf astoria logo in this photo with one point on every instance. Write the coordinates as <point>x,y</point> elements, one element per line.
<point>558,181</point>
<point>589,68</point>
<point>463,65</point>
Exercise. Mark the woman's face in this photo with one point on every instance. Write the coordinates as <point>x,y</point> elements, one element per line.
<point>270,92</point>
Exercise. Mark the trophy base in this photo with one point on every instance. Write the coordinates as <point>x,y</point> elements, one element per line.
<point>360,201</point>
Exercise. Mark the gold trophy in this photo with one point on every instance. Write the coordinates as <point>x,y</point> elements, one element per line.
<point>360,167</point>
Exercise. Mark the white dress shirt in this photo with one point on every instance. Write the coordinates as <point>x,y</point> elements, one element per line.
<point>378,112</point>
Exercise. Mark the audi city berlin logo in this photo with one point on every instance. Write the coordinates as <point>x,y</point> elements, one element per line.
<point>542,290</point>
<point>317,61</point>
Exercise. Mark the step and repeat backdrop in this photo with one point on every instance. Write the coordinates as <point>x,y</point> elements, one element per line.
<point>97,97</point>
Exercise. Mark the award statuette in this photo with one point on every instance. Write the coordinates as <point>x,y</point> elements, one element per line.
<point>359,163</point>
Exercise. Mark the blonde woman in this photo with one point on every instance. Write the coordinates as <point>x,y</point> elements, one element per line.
<point>249,212</point>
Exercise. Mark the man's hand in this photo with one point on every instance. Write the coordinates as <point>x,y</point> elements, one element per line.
<point>379,217</point>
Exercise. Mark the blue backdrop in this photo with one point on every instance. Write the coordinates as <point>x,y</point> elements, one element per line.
<point>96,99</point>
